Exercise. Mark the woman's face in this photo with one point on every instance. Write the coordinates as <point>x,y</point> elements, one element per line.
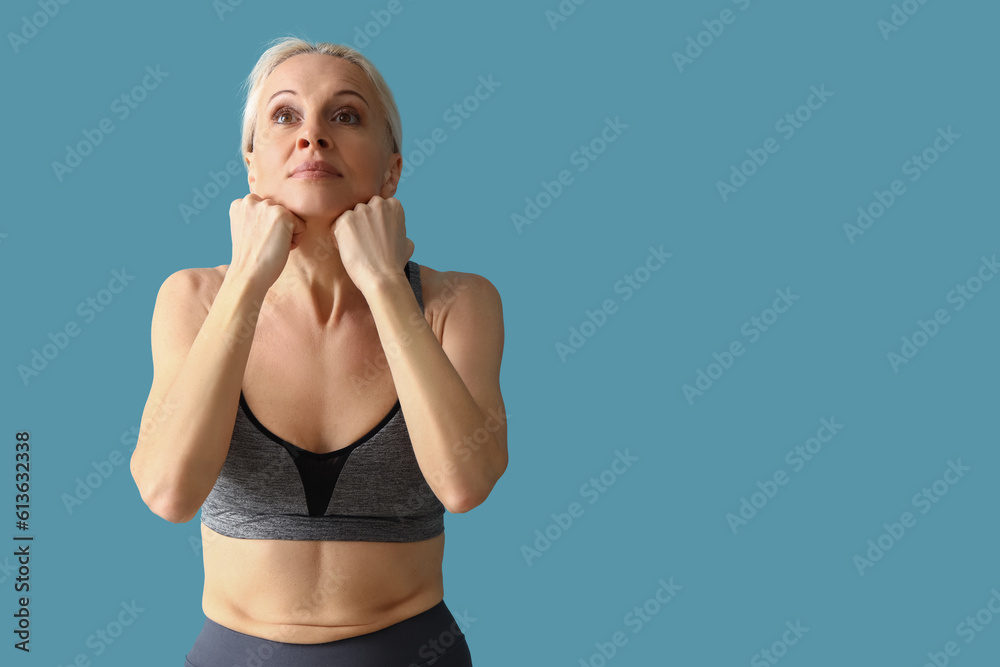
<point>304,115</point>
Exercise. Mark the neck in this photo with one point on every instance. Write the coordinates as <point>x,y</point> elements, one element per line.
<point>314,280</point>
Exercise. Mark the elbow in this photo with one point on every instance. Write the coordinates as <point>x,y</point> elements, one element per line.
<point>461,506</point>
<point>163,507</point>
<point>173,513</point>
<point>166,509</point>
<point>462,502</point>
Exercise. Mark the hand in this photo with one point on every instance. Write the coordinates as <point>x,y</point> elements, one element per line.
<point>372,242</point>
<point>264,232</point>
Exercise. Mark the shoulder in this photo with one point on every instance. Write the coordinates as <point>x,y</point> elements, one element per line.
<point>460,301</point>
<point>444,290</point>
<point>194,285</point>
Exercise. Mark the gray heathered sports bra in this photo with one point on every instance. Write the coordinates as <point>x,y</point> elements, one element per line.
<point>372,490</point>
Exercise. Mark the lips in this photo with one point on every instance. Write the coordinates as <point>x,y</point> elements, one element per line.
<point>315,168</point>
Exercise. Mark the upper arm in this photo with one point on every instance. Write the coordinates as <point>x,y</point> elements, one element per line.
<point>472,337</point>
<point>178,315</point>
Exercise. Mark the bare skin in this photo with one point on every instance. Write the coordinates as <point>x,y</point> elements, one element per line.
<point>323,266</point>
<point>335,589</point>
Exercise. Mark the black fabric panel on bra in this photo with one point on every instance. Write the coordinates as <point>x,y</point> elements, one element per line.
<point>319,478</point>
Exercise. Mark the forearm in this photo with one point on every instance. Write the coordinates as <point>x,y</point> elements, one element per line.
<point>441,414</point>
<point>184,441</point>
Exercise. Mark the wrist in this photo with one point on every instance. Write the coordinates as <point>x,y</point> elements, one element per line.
<point>381,285</point>
<point>243,286</point>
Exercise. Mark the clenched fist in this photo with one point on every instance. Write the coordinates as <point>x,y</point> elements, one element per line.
<point>264,232</point>
<point>372,241</point>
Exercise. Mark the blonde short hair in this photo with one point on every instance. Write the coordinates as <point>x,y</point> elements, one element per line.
<point>284,48</point>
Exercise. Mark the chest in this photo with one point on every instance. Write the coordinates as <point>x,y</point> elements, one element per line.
<point>321,395</point>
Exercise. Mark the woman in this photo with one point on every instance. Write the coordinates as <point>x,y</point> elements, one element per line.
<point>322,545</point>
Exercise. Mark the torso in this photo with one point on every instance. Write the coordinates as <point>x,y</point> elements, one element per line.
<point>308,592</point>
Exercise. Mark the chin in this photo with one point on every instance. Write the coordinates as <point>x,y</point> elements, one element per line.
<point>315,206</point>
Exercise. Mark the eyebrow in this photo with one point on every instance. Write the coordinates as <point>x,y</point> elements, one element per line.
<point>336,94</point>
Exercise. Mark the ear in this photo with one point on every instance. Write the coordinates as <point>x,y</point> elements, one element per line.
<point>251,176</point>
<point>391,176</point>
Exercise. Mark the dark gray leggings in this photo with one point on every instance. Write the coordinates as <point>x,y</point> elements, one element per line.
<point>432,637</point>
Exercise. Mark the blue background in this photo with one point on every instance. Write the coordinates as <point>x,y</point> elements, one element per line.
<point>655,185</point>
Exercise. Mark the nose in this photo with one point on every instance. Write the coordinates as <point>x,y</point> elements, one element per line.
<point>312,133</point>
<point>305,140</point>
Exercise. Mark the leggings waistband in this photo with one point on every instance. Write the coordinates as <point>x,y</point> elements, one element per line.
<point>432,637</point>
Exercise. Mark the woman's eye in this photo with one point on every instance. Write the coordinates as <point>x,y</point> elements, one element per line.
<point>346,112</point>
<point>340,116</point>
<point>281,113</point>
